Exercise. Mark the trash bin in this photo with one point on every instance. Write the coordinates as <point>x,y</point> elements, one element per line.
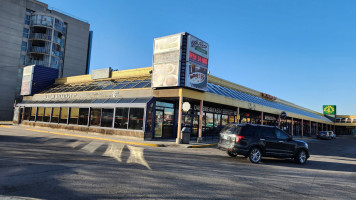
<point>186,135</point>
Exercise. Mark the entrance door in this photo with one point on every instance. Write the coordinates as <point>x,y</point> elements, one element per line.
<point>20,115</point>
<point>159,123</point>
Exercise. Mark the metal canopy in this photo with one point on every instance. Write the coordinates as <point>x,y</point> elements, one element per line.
<point>85,103</point>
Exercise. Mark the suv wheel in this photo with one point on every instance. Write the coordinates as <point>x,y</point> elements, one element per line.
<point>301,157</point>
<point>255,155</point>
<point>231,154</point>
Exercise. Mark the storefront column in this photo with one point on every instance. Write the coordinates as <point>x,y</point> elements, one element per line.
<point>179,131</point>
<point>238,115</point>
<point>302,127</point>
<point>200,137</point>
<point>310,128</point>
<point>292,126</point>
<point>317,128</point>
<point>261,118</point>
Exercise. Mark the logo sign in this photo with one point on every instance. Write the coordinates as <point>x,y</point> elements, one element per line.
<point>198,46</point>
<point>186,106</point>
<point>268,96</point>
<point>283,115</point>
<point>172,67</point>
<point>329,109</point>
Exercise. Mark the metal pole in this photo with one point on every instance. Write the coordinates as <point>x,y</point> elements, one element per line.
<point>262,118</point>
<point>302,127</point>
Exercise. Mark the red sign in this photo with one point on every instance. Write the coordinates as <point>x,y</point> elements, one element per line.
<point>198,59</point>
<point>268,96</point>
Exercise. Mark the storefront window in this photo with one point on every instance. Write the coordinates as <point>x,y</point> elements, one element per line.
<point>33,113</point>
<point>121,118</point>
<point>203,120</point>
<point>231,119</point>
<point>149,118</point>
<point>55,115</point>
<point>27,113</point>
<point>47,114</point>
<point>136,118</point>
<point>64,116</point>
<point>107,116</point>
<point>73,117</point>
<point>217,122</point>
<point>40,114</point>
<point>83,116</point>
<point>224,120</point>
<point>95,117</point>
<point>209,120</point>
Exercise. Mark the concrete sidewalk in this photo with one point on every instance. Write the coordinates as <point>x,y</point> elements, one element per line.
<point>170,143</point>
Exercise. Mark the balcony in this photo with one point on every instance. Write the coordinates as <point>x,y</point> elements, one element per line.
<point>37,62</point>
<point>40,36</point>
<point>42,50</point>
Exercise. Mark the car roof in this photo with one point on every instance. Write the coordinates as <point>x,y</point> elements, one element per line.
<point>253,125</point>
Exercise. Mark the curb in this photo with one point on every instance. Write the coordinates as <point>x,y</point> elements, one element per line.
<point>202,146</point>
<point>97,138</point>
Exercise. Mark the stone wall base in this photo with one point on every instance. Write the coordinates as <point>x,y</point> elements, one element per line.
<point>105,131</point>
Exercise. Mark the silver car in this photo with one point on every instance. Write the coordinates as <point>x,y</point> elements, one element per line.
<point>332,134</point>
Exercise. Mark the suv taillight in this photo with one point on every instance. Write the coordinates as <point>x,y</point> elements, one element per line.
<point>238,138</point>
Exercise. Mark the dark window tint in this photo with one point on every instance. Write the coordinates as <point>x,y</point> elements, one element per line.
<point>73,117</point>
<point>136,118</point>
<point>33,113</point>
<point>55,115</point>
<point>47,114</point>
<point>267,132</point>
<point>121,118</point>
<point>281,135</point>
<point>107,116</point>
<point>40,113</point>
<point>249,130</point>
<point>27,113</point>
<point>149,118</point>
<point>64,115</point>
<point>95,117</point>
<point>83,116</point>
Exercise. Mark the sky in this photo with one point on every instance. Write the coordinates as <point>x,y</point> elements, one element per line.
<point>300,51</point>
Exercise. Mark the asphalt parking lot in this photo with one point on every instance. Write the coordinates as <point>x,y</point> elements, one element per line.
<point>46,166</point>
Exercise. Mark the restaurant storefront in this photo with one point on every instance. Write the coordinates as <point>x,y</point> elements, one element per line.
<point>159,102</point>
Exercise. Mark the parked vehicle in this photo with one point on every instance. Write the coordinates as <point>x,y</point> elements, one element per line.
<point>255,141</point>
<point>323,135</point>
<point>332,135</point>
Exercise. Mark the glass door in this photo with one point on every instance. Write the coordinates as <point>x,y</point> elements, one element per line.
<point>159,123</point>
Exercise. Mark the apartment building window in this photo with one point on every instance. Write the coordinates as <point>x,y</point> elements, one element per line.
<point>25,32</point>
<point>27,19</point>
<point>24,46</point>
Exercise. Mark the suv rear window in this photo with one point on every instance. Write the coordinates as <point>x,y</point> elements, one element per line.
<point>231,129</point>
<point>250,131</point>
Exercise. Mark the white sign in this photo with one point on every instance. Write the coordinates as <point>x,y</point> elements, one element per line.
<point>186,106</point>
<point>27,77</point>
<point>101,73</point>
<point>168,43</point>
<point>166,61</point>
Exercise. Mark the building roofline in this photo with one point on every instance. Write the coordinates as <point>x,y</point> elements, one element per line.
<point>137,72</point>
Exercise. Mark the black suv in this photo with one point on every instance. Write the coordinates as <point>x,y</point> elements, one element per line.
<point>255,141</point>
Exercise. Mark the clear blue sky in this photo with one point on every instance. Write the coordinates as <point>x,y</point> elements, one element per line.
<point>300,51</point>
